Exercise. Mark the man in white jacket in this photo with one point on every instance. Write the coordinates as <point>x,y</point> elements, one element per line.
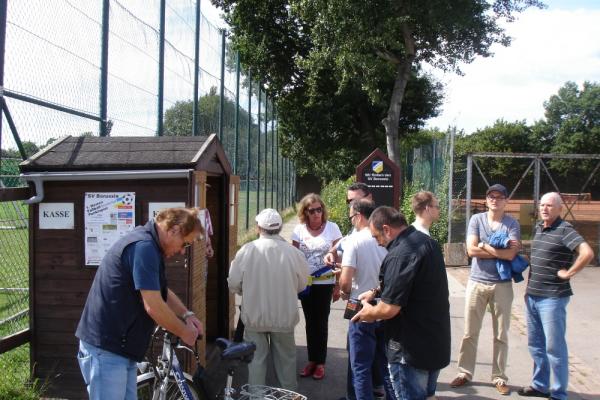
<point>269,273</point>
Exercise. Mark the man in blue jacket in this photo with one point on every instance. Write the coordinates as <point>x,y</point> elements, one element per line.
<point>128,297</point>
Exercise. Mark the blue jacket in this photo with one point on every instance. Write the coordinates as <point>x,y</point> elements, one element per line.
<point>508,269</point>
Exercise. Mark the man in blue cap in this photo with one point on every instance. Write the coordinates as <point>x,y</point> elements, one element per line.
<point>486,288</point>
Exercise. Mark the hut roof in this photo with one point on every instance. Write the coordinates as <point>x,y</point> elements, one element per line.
<point>114,153</point>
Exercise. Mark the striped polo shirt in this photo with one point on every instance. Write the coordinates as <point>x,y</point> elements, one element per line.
<point>552,249</point>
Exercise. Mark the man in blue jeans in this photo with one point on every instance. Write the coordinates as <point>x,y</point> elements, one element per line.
<point>414,305</point>
<point>361,262</point>
<point>558,252</point>
<point>128,297</point>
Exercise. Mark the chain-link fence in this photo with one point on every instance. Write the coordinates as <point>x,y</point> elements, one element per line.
<point>123,68</point>
<point>53,79</point>
<point>427,169</point>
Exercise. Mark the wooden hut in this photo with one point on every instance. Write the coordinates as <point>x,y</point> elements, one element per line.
<point>146,173</point>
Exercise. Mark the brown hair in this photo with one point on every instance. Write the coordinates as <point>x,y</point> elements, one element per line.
<point>305,203</point>
<point>421,200</point>
<point>186,218</point>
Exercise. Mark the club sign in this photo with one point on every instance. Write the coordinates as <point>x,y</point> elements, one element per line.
<point>381,175</point>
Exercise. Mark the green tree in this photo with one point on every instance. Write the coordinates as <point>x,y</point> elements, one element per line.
<point>363,44</point>
<point>30,149</point>
<point>572,125</point>
<point>178,121</point>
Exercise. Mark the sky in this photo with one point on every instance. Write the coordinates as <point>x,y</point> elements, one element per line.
<point>550,47</point>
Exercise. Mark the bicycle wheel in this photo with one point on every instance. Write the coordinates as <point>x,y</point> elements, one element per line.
<point>256,392</point>
<point>145,388</point>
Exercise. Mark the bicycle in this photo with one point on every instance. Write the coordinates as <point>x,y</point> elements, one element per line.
<point>163,378</point>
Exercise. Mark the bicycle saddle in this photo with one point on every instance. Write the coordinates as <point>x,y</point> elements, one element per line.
<point>236,350</point>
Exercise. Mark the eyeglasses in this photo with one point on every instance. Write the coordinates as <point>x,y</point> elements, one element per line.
<point>312,211</point>
<point>352,216</point>
<point>348,201</point>
<point>491,198</point>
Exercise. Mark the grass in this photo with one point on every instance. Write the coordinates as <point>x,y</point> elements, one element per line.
<point>14,274</point>
<point>15,383</point>
<point>242,212</point>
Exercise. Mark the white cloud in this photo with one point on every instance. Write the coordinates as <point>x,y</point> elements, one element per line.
<point>549,47</point>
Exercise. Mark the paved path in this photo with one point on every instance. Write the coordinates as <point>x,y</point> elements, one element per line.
<point>583,338</point>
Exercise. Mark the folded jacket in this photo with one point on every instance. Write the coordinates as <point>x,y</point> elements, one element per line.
<point>508,269</point>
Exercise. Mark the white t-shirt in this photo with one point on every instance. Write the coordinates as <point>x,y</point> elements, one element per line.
<point>315,247</point>
<point>362,253</point>
<point>421,228</point>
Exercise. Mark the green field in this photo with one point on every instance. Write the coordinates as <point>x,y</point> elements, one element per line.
<point>14,299</point>
<point>14,266</point>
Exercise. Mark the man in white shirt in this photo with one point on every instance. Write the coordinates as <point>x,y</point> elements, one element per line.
<point>427,211</point>
<point>360,272</point>
<point>269,273</point>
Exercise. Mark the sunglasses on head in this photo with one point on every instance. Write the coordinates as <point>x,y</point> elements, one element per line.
<point>315,210</point>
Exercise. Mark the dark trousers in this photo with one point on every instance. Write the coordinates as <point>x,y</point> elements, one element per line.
<point>367,353</point>
<point>316,306</point>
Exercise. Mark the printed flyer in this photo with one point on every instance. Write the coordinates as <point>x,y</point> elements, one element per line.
<point>107,217</point>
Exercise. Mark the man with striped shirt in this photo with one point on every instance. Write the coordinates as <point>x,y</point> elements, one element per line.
<point>558,252</point>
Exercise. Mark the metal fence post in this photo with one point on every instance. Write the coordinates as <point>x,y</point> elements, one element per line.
<point>248,149</point>
<point>237,113</point>
<point>195,117</point>
<point>273,192</point>
<point>469,190</point>
<point>278,159</point>
<point>222,89</point>
<point>3,18</point>
<point>266,151</point>
<point>450,184</point>
<point>161,69</point>
<point>258,155</point>
<point>104,69</point>
<point>536,184</point>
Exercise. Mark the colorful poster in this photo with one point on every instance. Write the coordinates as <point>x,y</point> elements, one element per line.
<point>107,217</point>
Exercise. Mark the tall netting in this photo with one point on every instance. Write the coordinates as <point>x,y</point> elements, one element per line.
<point>428,169</point>
<point>53,86</point>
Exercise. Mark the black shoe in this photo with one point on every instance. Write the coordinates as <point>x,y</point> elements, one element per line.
<point>531,392</point>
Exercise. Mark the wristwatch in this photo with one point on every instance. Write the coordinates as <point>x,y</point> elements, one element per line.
<point>480,245</point>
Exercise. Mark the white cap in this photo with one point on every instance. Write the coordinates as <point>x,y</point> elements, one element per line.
<point>269,219</point>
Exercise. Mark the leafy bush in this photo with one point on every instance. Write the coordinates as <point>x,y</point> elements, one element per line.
<point>334,197</point>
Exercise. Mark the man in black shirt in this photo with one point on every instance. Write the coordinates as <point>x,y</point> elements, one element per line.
<point>558,252</point>
<point>414,304</point>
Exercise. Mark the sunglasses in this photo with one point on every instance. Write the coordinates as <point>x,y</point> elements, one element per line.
<point>348,201</point>
<point>496,197</point>
<point>311,211</point>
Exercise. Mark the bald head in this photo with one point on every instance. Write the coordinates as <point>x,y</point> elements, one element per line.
<point>553,197</point>
<point>550,208</point>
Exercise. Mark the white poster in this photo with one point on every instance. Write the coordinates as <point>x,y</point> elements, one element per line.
<point>107,217</point>
<point>56,216</point>
<point>154,208</point>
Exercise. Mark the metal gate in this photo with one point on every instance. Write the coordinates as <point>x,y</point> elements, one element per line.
<point>528,176</point>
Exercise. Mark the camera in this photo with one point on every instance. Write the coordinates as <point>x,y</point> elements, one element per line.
<point>353,306</point>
